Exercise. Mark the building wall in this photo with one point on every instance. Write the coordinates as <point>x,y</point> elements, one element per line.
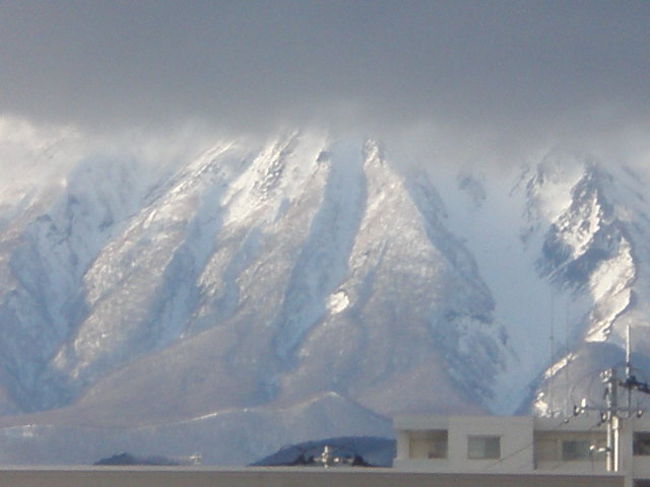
<point>515,435</point>
<point>281,477</point>
<point>528,445</point>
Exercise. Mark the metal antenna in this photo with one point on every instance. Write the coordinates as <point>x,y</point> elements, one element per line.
<point>552,354</point>
<point>567,351</point>
<point>628,365</point>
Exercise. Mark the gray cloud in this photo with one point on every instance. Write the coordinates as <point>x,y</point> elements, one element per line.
<point>518,67</point>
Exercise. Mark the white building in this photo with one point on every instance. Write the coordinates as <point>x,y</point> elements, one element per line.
<point>520,445</point>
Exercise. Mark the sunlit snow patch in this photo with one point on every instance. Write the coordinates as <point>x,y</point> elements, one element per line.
<point>338,302</point>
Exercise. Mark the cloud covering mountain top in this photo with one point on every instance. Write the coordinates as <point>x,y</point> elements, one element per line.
<point>516,68</point>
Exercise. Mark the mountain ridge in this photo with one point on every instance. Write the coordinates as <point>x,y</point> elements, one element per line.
<point>257,275</point>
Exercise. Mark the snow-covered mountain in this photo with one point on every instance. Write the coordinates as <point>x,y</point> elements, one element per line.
<point>266,293</point>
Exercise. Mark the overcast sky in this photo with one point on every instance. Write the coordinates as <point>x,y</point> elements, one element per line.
<point>529,67</point>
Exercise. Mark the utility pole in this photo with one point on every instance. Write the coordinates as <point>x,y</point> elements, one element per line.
<point>612,415</point>
<point>612,419</point>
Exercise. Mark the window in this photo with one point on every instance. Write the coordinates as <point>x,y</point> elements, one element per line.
<point>483,447</point>
<point>642,444</point>
<point>428,444</point>
<point>438,447</point>
<point>576,450</point>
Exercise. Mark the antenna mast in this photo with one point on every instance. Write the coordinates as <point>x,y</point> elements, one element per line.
<point>628,365</point>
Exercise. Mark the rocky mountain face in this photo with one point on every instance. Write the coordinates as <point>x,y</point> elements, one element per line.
<point>271,293</point>
<point>595,250</point>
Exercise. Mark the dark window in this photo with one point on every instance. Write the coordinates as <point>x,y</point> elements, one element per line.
<point>642,443</point>
<point>483,447</point>
<point>576,450</point>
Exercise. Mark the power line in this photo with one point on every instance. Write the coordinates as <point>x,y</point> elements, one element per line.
<point>613,415</point>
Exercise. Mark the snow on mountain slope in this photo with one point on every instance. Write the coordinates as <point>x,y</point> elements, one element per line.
<point>259,275</point>
<point>264,330</point>
<point>597,248</point>
<point>559,245</point>
<point>44,261</point>
<point>139,287</point>
<point>486,211</point>
<point>555,242</point>
<point>255,275</point>
<point>405,297</point>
